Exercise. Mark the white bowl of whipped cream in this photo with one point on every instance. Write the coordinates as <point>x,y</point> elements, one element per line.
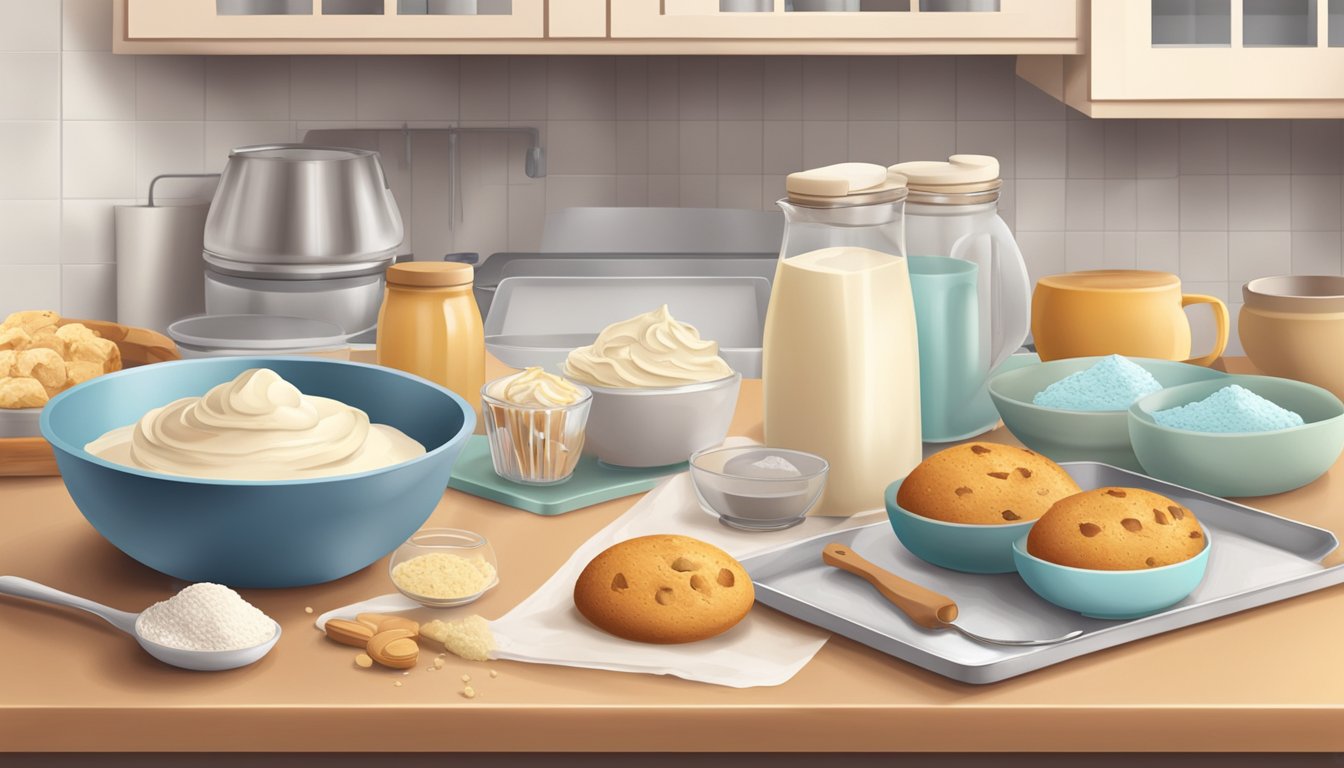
<point>660,392</point>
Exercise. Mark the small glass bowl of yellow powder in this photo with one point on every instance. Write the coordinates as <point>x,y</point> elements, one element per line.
<point>444,567</point>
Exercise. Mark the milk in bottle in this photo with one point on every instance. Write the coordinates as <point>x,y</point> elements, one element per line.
<point>841,363</point>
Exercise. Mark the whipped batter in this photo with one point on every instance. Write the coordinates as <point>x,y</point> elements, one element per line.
<point>256,427</point>
<point>536,388</point>
<point>650,350</point>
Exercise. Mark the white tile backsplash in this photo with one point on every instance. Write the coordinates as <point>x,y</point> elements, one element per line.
<point>86,25</point>
<point>98,159</point>
<point>248,88</point>
<point>740,92</point>
<point>97,86</point>
<point>324,88</point>
<point>167,148</point>
<point>31,25</point>
<point>1217,201</point>
<point>169,88</point>
<point>30,86</point>
<point>31,231</point>
<point>89,290</point>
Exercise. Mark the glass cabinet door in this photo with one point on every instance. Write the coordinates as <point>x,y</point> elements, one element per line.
<point>333,19</point>
<point>1216,50</point>
<point>832,19</point>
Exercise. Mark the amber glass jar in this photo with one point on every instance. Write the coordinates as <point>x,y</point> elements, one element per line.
<point>430,326</point>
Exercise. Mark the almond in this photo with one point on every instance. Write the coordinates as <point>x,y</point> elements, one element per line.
<point>395,648</point>
<point>348,632</point>
<point>381,622</point>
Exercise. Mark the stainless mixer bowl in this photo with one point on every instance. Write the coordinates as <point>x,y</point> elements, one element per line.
<point>298,204</point>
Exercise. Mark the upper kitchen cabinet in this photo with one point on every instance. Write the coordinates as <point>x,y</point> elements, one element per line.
<point>598,26</point>
<point>1203,58</point>
<point>341,26</point>
<point>859,26</point>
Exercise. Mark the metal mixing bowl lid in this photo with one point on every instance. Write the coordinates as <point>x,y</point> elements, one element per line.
<point>256,332</point>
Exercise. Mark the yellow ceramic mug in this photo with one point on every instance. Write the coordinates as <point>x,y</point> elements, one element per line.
<point>1119,311</point>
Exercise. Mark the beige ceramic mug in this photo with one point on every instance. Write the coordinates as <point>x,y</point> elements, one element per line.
<point>1128,312</point>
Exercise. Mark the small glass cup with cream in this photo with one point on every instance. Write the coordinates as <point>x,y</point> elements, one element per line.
<point>535,422</point>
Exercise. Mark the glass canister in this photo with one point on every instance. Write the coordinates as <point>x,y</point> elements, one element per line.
<point>841,363</point>
<point>952,211</point>
<point>429,325</point>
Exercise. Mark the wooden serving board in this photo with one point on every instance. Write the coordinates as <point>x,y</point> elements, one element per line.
<point>32,456</point>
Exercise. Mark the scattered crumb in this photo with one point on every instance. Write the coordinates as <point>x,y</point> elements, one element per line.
<point>308,609</point>
<point>397,683</point>
<point>438,664</point>
<point>469,692</point>
<point>466,678</point>
<point>407,672</point>
<point>469,638</point>
<point>363,661</point>
<point>493,673</point>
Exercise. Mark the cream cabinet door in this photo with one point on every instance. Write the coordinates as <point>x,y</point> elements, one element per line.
<point>150,20</point>
<point>1210,50</point>
<point>1024,20</point>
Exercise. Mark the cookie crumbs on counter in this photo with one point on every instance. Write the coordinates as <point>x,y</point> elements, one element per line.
<point>396,683</point>
<point>469,692</point>
<point>407,672</point>
<point>493,673</point>
<point>466,678</point>
<point>363,661</point>
<point>308,609</point>
<point>438,662</point>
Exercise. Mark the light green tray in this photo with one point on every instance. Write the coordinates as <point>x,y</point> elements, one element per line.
<point>593,482</point>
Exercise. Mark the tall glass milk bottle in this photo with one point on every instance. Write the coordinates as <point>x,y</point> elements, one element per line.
<point>841,359</point>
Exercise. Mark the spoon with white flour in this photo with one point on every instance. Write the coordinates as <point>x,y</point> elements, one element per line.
<point>205,627</point>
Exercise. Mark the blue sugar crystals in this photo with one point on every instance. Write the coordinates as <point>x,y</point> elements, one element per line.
<point>1231,409</point>
<point>1113,384</point>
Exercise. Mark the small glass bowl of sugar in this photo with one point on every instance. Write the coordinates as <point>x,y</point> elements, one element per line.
<point>754,488</point>
<point>444,567</point>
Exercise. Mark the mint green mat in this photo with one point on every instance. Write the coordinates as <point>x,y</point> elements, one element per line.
<point>592,483</point>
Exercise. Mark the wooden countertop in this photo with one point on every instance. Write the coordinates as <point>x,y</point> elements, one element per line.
<point>1271,679</point>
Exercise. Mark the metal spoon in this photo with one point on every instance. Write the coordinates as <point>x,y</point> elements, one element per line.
<point>925,607</point>
<point>203,661</point>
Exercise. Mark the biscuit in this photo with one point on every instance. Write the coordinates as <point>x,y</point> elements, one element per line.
<point>8,358</point>
<point>47,339</point>
<point>984,484</point>
<point>664,589</point>
<point>94,349</point>
<point>80,371</point>
<point>22,392</point>
<point>1116,529</point>
<point>42,364</point>
<point>31,320</point>
<point>14,338</point>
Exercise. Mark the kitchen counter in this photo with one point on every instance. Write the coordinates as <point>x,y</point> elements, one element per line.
<point>1271,679</point>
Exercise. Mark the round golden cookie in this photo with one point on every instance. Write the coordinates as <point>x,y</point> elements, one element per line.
<point>1116,529</point>
<point>664,589</point>
<point>984,484</point>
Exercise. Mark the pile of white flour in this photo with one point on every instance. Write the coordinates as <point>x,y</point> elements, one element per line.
<point>205,617</point>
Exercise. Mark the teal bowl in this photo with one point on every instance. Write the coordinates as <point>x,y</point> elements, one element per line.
<point>1111,594</point>
<point>956,546</point>
<point>1241,463</point>
<point>1078,435</point>
<point>257,533</point>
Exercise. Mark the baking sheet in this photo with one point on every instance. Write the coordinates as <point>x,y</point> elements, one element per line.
<point>1256,558</point>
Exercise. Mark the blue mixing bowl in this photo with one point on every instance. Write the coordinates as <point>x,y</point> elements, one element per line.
<point>1111,594</point>
<point>257,533</point>
<point>956,546</point>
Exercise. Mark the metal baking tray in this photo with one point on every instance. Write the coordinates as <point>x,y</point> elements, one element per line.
<point>1257,558</point>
